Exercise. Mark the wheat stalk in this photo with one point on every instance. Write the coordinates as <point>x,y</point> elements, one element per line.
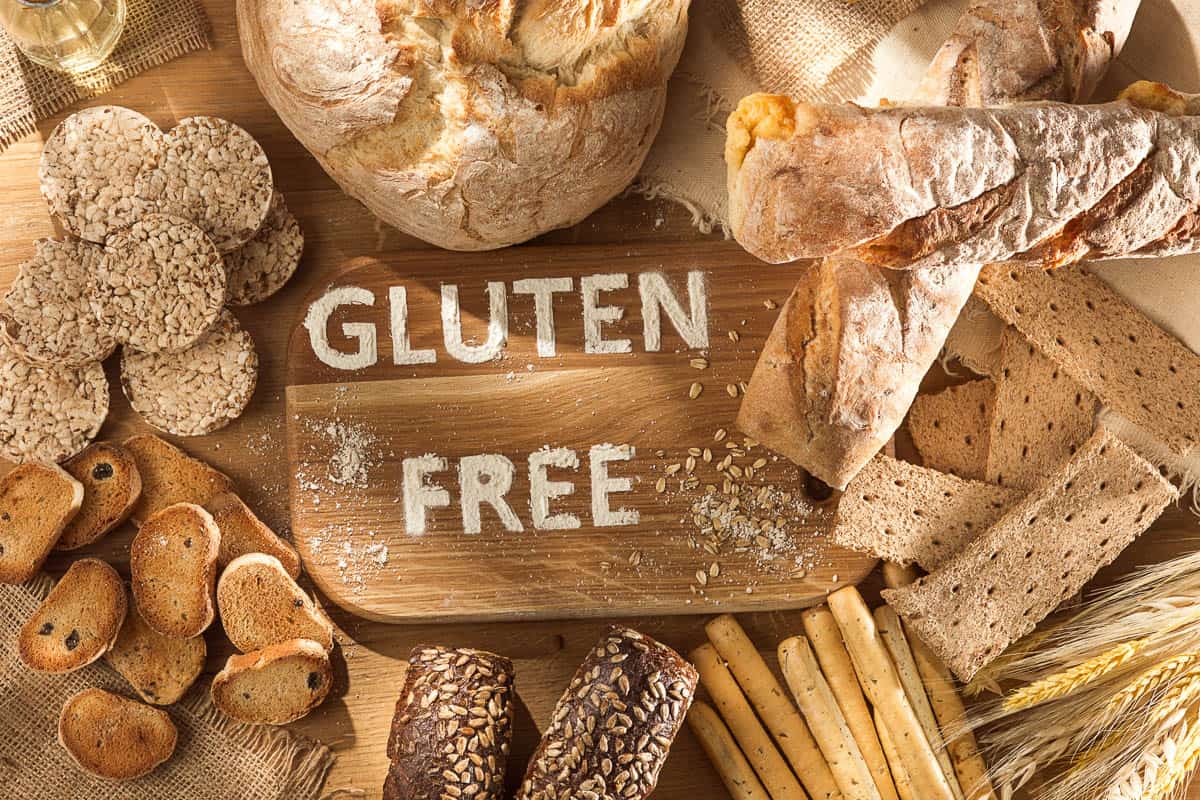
<point>1069,681</point>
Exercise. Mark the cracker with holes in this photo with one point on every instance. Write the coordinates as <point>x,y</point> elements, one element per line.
<point>37,502</point>
<point>243,532</point>
<point>171,476</point>
<point>214,173</point>
<point>904,513</point>
<point>261,605</point>
<point>198,390</point>
<point>47,316</point>
<point>260,267</point>
<point>111,488</point>
<point>159,668</point>
<point>1041,552</point>
<point>77,622</point>
<point>173,565</point>
<point>162,285</point>
<point>48,413</point>
<point>90,166</point>
<point>114,737</point>
<point>950,428</point>
<point>1040,418</point>
<point>276,685</point>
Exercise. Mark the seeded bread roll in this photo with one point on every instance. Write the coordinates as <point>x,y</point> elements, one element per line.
<point>614,725</point>
<point>453,725</point>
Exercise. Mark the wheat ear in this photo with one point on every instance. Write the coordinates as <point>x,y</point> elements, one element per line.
<point>1179,768</point>
<point>1068,681</point>
<point>1148,682</point>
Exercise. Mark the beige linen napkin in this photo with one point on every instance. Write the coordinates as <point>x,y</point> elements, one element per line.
<point>215,759</point>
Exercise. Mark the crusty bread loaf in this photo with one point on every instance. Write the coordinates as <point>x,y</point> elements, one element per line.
<point>114,737</point>
<point>453,726</point>
<point>173,563</point>
<point>276,685</point>
<point>171,476</point>
<point>78,620</point>
<point>469,125</point>
<point>242,532</point>
<point>950,428</point>
<point>37,501</point>
<point>159,668</point>
<point>111,487</point>
<point>261,605</point>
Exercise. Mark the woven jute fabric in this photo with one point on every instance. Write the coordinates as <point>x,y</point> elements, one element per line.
<point>156,31</point>
<point>215,758</point>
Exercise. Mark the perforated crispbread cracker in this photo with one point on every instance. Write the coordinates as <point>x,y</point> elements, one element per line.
<point>1108,346</point>
<point>48,413</point>
<point>260,267</point>
<point>950,428</point>
<point>162,286</point>
<point>1042,551</point>
<point>198,390</point>
<point>213,173</point>
<point>905,513</point>
<point>1040,418</point>
<point>47,315</point>
<point>90,166</point>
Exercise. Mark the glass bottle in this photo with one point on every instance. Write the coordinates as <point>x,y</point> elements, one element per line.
<point>64,35</point>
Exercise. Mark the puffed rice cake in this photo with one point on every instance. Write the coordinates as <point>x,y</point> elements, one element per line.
<point>90,165</point>
<point>162,286</point>
<point>215,174</point>
<point>261,266</point>
<point>199,390</point>
<point>47,315</point>
<point>48,413</point>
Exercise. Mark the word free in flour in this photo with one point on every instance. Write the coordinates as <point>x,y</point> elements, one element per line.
<point>658,299</point>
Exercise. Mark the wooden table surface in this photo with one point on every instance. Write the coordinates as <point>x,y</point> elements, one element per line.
<point>355,721</point>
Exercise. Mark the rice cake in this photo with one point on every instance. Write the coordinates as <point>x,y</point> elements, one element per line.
<point>261,266</point>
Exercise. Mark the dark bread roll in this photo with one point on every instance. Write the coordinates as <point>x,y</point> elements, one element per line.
<point>614,725</point>
<point>452,728</point>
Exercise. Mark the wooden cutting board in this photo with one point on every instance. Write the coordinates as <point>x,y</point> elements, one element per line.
<point>518,435</point>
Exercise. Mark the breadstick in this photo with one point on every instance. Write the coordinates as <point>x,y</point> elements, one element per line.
<point>903,785</point>
<point>882,686</point>
<point>775,709</point>
<point>890,629</point>
<point>816,700</point>
<point>826,642</point>
<point>716,741</point>
<point>772,770</point>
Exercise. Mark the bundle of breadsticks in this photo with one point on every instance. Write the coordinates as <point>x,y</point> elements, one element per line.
<point>872,713</point>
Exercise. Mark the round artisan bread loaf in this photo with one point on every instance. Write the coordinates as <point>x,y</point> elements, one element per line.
<point>470,125</point>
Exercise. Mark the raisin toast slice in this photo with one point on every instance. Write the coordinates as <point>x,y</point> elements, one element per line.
<point>159,668</point>
<point>242,532</point>
<point>37,501</point>
<point>111,488</point>
<point>276,685</point>
<point>173,562</point>
<point>171,476</point>
<point>77,622</point>
<point>261,605</point>
<point>114,737</point>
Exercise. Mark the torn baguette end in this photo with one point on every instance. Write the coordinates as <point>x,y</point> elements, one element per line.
<point>758,116</point>
<point>1154,96</point>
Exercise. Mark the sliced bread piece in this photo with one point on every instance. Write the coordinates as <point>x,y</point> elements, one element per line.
<point>904,513</point>
<point>173,561</point>
<point>111,487</point>
<point>950,428</point>
<point>242,532</point>
<point>276,685</point>
<point>1040,418</point>
<point>37,501</point>
<point>261,605</point>
<point>77,622</point>
<point>1041,552</point>
<point>114,737</point>
<point>171,476</point>
<point>159,668</point>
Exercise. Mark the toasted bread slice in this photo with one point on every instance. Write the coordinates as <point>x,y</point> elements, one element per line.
<point>37,501</point>
<point>173,561</point>
<point>276,685</point>
<point>261,605</point>
<point>242,532</point>
<point>114,737</point>
<point>171,476</point>
<point>111,487</point>
<point>77,622</point>
<point>159,668</point>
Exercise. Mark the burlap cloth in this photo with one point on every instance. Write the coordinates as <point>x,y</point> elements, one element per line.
<point>215,759</point>
<point>155,31</point>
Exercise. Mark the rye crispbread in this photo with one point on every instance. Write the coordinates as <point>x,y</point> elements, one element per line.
<point>115,737</point>
<point>260,267</point>
<point>261,605</point>
<point>1108,346</point>
<point>950,428</point>
<point>173,565</point>
<point>276,685</point>
<point>905,513</point>
<point>1040,418</point>
<point>77,622</point>
<point>171,476</point>
<point>159,668</point>
<point>242,532</point>
<point>36,503</point>
<point>1041,552</point>
<point>111,487</point>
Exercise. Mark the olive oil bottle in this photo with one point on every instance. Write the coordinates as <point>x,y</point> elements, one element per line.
<point>66,35</point>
